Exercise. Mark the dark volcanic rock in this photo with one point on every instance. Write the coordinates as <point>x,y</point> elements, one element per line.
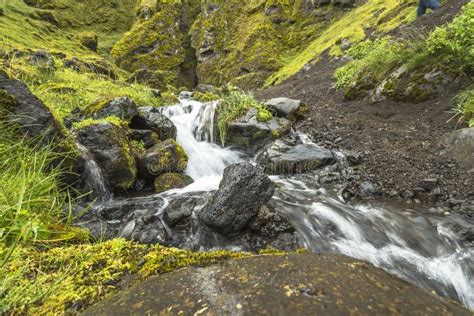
<point>19,105</point>
<point>150,118</point>
<point>149,138</point>
<point>181,209</point>
<point>284,107</point>
<point>42,58</point>
<point>242,191</point>
<point>250,135</point>
<point>285,158</point>
<point>295,284</point>
<point>110,148</point>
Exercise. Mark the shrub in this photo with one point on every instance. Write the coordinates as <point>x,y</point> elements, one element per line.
<point>454,43</point>
<point>234,105</point>
<point>465,106</point>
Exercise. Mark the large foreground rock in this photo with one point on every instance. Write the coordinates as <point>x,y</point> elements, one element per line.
<point>110,148</point>
<point>242,191</point>
<point>297,284</point>
<point>19,105</point>
<point>285,158</point>
<point>459,145</point>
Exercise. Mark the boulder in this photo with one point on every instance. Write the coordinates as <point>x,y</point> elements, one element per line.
<point>285,158</point>
<point>171,180</point>
<point>242,191</point>
<point>149,138</point>
<point>121,107</point>
<point>284,107</point>
<point>205,88</point>
<point>19,105</point>
<point>180,209</point>
<point>459,145</point>
<point>42,58</point>
<point>150,118</point>
<point>249,135</point>
<point>109,146</point>
<point>88,40</point>
<point>164,157</point>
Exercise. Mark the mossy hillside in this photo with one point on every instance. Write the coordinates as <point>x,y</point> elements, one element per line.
<point>108,18</point>
<point>67,279</point>
<point>63,89</point>
<point>245,48</point>
<point>380,16</point>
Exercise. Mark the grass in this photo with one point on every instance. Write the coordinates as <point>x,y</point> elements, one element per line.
<point>465,106</point>
<point>234,105</point>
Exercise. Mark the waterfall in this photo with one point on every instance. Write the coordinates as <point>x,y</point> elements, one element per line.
<point>93,177</point>
<point>206,160</point>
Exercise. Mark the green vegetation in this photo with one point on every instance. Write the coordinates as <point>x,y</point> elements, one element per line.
<point>465,106</point>
<point>234,105</point>
<point>353,26</point>
<point>67,279</point>
<point>205,96</point>
<point>448,48</point>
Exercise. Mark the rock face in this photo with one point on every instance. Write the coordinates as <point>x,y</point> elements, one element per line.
<point>249,135</point>
<point>33,118</point>
<point>284,107</point>
<point>150,118</point>
<point>162,158</point>
<point>121,107</point>
<point>110,148</point>
<point>306,284</point>
<point>285,158</point>
<point>459,145</point>
<point>242,191</point>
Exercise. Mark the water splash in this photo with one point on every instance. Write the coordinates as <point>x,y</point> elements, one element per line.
<point>94,180</point>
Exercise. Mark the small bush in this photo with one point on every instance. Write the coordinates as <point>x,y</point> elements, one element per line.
<point>234,105</point>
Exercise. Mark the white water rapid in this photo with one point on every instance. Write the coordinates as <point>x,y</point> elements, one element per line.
<point>421,248</point>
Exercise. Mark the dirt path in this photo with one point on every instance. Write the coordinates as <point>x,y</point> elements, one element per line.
<point>399,140</point>
<point>304,284</point>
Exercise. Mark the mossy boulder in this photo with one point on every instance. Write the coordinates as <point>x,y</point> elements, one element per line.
<point>171,180</point>
<point>88,40</point>
<point>252,132</point>
<point>108,144</point>
<point>32,117</point>
<point>150,118</point>
<point>167,156</point>
<point>121,107</point>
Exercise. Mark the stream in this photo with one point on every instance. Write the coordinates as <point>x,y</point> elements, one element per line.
<point>420,247</point>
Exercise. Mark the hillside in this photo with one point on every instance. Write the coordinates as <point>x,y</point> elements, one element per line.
<point>140,137</point>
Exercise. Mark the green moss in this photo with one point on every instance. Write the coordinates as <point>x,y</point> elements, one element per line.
<point>264,115</point>
<point>169,181</point>
<point>67,279</point>
<point>205,96</point>
<point>111,119</point>
<point>169,98</point>
<point>88,40</point>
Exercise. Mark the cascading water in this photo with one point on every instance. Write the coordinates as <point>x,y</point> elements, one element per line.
<point>93,178</point>
<point>421,248</point>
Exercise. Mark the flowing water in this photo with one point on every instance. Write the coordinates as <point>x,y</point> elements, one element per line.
<point>419,247</point>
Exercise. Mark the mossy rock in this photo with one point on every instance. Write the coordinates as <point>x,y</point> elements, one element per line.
<point>121,107</point>
<point>169,181</point>
<point>89,40</point>
<point>108,143</point>
<point>165,157</point>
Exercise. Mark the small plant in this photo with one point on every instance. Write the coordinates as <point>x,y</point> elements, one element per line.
<point>465,106</point>
<point>235,105</point>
